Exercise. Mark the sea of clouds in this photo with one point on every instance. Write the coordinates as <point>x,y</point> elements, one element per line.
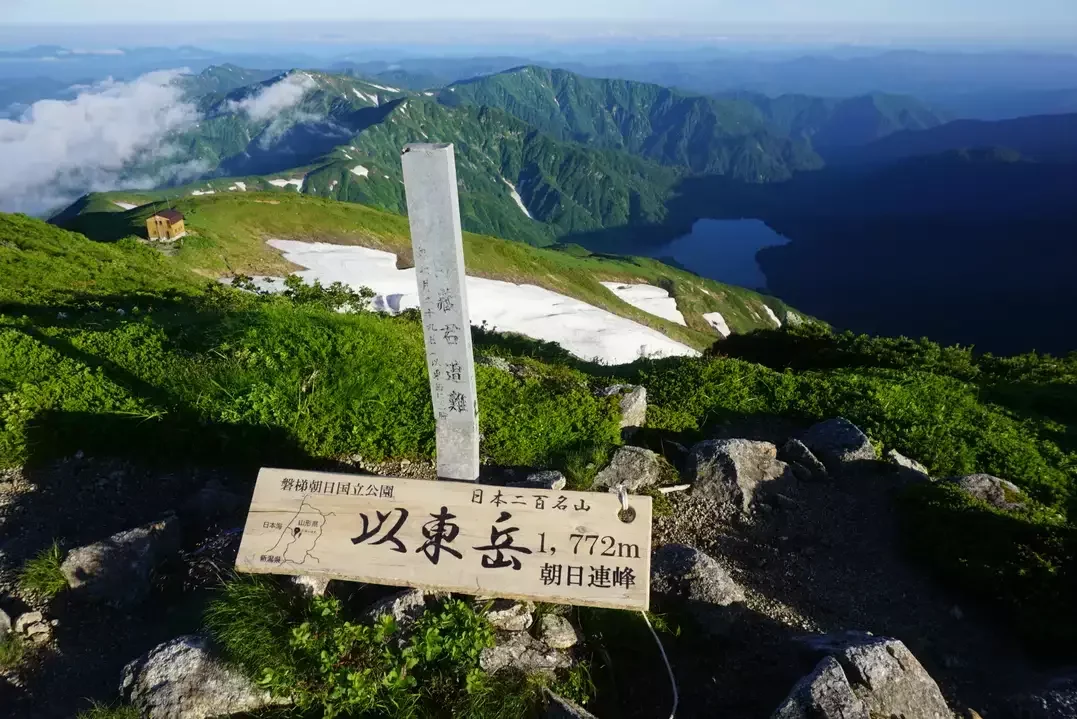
<point>58,150</point>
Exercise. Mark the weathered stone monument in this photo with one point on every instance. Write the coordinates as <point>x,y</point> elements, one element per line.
<point>438,248</point>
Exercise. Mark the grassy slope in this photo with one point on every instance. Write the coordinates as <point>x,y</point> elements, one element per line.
<point>220,375</point>
<point>230,229</point>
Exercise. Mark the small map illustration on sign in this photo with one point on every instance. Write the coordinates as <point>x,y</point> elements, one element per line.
<point>299,536</point>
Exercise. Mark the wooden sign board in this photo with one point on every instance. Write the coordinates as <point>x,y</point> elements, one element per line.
<point>521,543</point>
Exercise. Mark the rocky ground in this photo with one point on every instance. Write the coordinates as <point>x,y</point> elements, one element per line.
<point>779,564</point>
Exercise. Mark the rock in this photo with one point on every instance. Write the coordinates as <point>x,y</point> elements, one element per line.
<point>634,467</point>
<point>511,616</point>
<point>405,607</point>
<point>213,502</point>
<point>1058,700</point>
<point>182,679</point>
<point>823,694</point>
<point>5,623</point>
<point>495,362</point>
<point>683,573</point>
<point>523,653</point>
<point>557,632</point>
<point>633,404</point>
<point>913,467</point>
<point>730,470</point>
<point>797,454</point>
<point>884,675</point>
<point>34,627</point>
<point>837,442</point>
<point>996,492</point>
<point>311,584</point>
<point>557,707</point>
<point>546,479</point>
<point>118,569</point>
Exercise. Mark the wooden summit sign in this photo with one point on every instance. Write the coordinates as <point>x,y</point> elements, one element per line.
<point>564,547</point>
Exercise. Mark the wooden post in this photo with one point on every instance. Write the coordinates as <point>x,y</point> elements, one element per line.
<point>438,248</point>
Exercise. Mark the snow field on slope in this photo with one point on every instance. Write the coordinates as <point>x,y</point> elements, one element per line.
<point>584,330</point>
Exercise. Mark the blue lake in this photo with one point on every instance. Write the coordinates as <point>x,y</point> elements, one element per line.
<point>722,250</point>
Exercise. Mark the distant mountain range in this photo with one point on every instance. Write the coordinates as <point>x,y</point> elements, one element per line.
<point>543,155</point>
<point>876,192</point>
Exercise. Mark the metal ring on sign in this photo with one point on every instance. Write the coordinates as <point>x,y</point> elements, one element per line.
<point>626,513</point>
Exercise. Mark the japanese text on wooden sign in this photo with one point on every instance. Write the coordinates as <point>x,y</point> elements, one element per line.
<point>565,547</point>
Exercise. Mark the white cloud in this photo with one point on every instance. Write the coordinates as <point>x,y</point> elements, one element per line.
<point>60,149</point>
<point>276,98</point>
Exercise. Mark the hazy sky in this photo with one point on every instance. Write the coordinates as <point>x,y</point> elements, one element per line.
<point>1015,13</point>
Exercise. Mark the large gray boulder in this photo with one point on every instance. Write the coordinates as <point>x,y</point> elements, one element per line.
<point>182,679</point>
<point>523,653</point>
<point>118,570</point>
<point>823,694</point>
<point>633,401</point>
<point>634,467</point>
<point>684,574</point>
<point>729,471</point>
<point>881,672</point>
<point>805,465</point>
<point>1058,700</point>
<point>838,442</point>
<point>993,490</point>
<point>5,623</point>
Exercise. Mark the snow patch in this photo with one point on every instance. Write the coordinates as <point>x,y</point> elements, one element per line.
<point>360,171</point>
<point>517,198</point>
<point>715,320</point>
<point>773,316</point>
<point>280,182</point>
<point>369,98</point>
<point>124,205</point>
<point>383,87</point>
<point>582,329</point>
<point>650,299</point>
<point>197,193</point>
<point>241,185</point>
<point>429,94</point>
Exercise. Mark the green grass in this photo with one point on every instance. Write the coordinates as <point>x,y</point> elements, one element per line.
<point>41,576</point>
<point>216,375</point>
<point>105,711</point>
<point>12,651</point>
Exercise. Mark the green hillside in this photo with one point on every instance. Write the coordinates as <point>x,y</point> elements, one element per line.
<point>110,350</point>
<point>843,122</point>
<point>703,134</point>
<point>228,233</point>
<point>566,188</point>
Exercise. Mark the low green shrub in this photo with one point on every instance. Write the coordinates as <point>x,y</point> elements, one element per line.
<point>330,665</point>
<point>41,576</point>
<point>1021,563</point>
<point>12,651</point>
